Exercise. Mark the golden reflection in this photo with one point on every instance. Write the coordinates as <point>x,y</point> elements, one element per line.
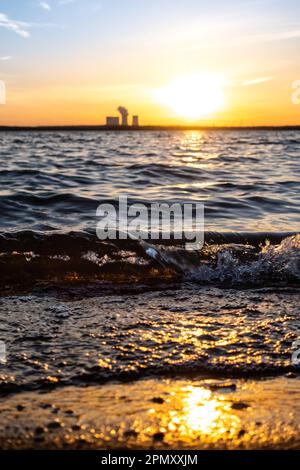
<point>201,185</point>
<point>200,409</point>
<point>191,153</point>
<point>202,412</point>
<point>168,413</point>
<point>192,140</point>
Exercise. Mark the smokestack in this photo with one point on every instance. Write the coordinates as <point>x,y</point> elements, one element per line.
<point>124,114</point>
<point>135,121</point>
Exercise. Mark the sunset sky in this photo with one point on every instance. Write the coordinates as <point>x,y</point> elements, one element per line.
<point>75,61</point>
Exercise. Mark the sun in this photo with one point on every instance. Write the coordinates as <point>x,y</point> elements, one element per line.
<point>195,96</point>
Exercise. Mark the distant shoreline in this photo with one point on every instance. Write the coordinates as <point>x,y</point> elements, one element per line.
<point>147,128</point>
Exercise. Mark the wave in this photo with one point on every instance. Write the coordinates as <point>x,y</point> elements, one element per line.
<point>233,259</point>
<point>236,264</point>
<point>95,375</point>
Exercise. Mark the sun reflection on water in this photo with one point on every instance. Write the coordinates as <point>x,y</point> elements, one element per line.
<point>202,413</point>
<point>192,152</point>
<point>200,409</point>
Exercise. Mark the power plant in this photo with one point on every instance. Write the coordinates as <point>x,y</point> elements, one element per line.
<point>124,115</point>
<point>135,121</point>
<point>114,121</point>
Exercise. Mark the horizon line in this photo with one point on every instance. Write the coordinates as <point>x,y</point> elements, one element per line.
<point>148,127</point>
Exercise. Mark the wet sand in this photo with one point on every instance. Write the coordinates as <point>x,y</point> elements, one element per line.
<point>144,370</point>
<point>156,414</point>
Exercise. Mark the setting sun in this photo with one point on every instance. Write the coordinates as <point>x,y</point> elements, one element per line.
<point>193,97</point>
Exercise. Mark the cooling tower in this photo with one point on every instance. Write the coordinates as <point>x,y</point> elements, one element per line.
<point>124,115</point>
<point>135,121</point>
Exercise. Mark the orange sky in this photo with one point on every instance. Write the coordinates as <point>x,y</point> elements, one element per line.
<point>245,105</point>
<point>75,62</point>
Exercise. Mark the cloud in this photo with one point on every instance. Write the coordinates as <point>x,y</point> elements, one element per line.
<point>256,81</point>
<point>18,27</point>
<point>4,58</point>
<point>21,28</point>
<point>45,6</point>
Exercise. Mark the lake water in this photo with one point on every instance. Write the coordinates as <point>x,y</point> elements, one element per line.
<point>77,310</point>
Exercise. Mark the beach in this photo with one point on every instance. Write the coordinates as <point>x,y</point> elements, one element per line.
<point>150,371</point>
<point>160,414</point>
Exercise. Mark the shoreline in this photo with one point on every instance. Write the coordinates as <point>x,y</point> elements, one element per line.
<point>186,414</point>
<point>102,128</point>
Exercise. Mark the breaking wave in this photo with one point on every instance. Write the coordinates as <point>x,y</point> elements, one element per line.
<point>231,259</point>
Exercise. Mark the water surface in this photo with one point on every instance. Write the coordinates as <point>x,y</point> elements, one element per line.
<point>76,310</point>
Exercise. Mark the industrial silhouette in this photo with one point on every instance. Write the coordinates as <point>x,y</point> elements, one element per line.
<point>114,121</point>
<point>135,121</point>
<point>124,115</point>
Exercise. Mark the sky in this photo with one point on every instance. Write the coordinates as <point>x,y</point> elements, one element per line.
<point>76,61</point>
